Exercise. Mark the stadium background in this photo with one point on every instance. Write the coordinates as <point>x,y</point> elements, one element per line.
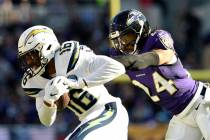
<point>87,21</point>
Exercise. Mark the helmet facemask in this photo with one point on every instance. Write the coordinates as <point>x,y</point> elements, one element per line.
<point>37,46</point>
<point>33,61</point>
<point>125,42</point>
<point>30,62</point>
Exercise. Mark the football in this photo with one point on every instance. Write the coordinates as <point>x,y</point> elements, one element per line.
<point>62,102</point>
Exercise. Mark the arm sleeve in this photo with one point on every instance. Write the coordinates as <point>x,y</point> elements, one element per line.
<point>102,69</point>
<point>137,62</point>
<point>47,115</point>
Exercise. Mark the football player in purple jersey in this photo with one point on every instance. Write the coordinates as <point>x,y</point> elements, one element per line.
<point>153,65</point>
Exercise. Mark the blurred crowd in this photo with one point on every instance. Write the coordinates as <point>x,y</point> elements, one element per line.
<point>87,21</point>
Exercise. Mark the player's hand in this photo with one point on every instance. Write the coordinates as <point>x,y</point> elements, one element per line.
<point>55,88</point>
<point>131,61</point>
<point>124,59</point>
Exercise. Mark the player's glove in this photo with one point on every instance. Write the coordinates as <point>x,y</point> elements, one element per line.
<point>75,82</point>
<point>55,88</point>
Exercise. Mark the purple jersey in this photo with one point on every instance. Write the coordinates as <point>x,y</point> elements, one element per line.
<point>167,85</point>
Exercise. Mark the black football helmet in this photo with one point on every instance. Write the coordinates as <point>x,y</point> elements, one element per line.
<point>126,30</point>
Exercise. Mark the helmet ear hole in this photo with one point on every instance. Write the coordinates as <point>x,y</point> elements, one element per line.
<point>48,48</point>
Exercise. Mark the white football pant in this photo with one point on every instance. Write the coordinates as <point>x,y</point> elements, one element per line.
<point>194,123</point>
<point>99,125</point>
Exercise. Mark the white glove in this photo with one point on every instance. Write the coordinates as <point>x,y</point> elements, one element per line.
<point>74,82</point>
<point>55,88</point>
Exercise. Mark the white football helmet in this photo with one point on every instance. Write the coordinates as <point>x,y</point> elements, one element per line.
<point>36,47</point>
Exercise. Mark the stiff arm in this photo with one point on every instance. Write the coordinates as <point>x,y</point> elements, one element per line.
<point>152,58</point>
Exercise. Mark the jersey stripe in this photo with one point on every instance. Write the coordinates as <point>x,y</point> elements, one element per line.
<point>31,91</point>
<point>103,119</point>
<point>74,57</point>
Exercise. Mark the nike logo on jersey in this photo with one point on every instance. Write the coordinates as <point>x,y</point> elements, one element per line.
<point>140,75</point>
<point>53,94</point>
<point>197,107</point>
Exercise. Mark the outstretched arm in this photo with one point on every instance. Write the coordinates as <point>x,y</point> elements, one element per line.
<point>103,69</point>
<point>152,58</point>
<point>96,70</point>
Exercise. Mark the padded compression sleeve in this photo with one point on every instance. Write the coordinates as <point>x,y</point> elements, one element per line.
<point>137,62</point>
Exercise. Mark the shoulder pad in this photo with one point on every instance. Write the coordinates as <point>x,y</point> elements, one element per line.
<point>165,39</point>
<point>67,57</point>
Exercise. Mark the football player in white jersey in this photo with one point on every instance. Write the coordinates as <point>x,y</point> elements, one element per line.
<point>52,69</point>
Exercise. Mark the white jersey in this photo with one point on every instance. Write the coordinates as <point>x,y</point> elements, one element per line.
<point>74,60</point>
